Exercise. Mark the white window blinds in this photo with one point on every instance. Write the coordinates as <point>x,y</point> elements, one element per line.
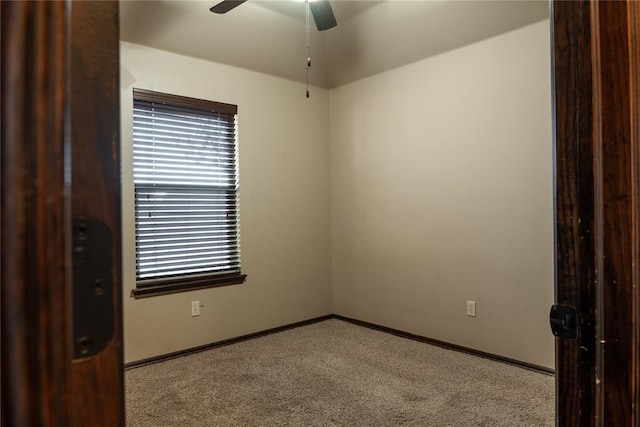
<point>186,188</point>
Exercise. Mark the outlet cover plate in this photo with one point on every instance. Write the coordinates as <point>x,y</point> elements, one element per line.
<point>471,308</point>
<point>195,308</point>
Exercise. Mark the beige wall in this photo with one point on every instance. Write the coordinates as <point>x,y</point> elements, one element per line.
<point>393,200</point>
<point>284,202</point>
<point>442,192</point>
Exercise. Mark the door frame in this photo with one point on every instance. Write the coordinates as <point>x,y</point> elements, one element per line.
<point>60,161</point>
<point>35,330</point>
<point>596,56</point>
<point>94,109</point>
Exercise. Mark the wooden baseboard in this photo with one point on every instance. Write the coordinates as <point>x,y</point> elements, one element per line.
<point>448,346</point>
<point>362,323</point>
<point>192,350</point>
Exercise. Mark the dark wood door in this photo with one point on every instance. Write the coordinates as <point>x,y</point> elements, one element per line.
<point>59,162</point>
<point>596,70</point>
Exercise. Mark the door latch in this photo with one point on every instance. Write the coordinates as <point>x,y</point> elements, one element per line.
<point>564,321</point>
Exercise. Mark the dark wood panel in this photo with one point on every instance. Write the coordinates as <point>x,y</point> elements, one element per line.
<point>615,216</point>
<point>634,73</point>
<point>95,128</point>
<point>575,374</point>
<point>34,299</point>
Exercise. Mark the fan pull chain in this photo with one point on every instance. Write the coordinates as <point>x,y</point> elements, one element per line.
<point>308,48</point>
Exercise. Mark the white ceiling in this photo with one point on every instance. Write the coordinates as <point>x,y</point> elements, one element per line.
<point>371,37</point>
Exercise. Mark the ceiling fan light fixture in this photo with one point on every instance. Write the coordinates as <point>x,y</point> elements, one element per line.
<point>226,5</point>
<point>322,14</point>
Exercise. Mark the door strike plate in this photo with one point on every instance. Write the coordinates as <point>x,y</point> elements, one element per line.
<point>92,286</point>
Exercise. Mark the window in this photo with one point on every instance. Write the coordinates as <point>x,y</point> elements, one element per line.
<point>186,194</point>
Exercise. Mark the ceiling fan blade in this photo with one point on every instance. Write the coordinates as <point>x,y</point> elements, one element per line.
<point>226,5</point>
<point>322,14</point>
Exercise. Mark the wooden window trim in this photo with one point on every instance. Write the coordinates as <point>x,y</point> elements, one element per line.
<point>186,284</point>
<point>201,104</point>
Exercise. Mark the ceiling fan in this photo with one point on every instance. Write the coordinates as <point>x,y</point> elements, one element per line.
<point>320,9</point>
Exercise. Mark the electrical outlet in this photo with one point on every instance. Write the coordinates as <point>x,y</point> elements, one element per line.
<point>471,308</point>
<point>195,308</point>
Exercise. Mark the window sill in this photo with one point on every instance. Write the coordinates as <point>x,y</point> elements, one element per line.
<point>187,285</point>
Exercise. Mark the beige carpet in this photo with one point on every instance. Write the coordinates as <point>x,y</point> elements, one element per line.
<point>334,373</point>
